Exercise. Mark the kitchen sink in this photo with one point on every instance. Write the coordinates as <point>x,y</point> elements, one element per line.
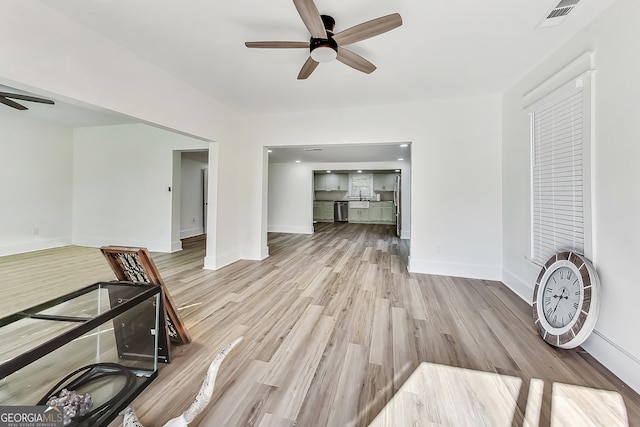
<point>359,204</point>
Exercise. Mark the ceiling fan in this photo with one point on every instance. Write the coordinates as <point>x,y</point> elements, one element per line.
<point>326,46</point>
<point>4,99</point>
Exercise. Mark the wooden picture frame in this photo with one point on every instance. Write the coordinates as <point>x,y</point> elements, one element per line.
<point>136,265</point>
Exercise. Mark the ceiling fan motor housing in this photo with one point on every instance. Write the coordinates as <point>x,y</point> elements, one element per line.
<point>328,22</point>
<point>324,49</point>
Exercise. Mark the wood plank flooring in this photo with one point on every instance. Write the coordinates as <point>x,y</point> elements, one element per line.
<point>334,326</point>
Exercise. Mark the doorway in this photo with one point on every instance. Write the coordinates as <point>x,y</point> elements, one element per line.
<point>194,166</point>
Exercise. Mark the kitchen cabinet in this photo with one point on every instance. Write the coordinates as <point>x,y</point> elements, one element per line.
<point>358,215</point>
<point>375,213</point>
<point>384,181</point>
<point>331,182</point>
<point>382,213</point>
<point>323,211</point>
<point>343,181</point>
<point>317,211</point>
<point>389,214</point>
<point>319,181</point>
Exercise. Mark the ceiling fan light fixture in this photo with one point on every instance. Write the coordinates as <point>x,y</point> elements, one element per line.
<point>323,50</point>
<point>324,54</point>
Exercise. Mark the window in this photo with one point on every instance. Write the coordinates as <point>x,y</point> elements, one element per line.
<point>361,185</point>
<point>560,135</point>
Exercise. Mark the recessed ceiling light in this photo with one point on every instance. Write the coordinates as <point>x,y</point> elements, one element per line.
<point>400,159</point>
<point>397,170</point>
<point>359,171</point>
<point>404,145</point>
<point>269,151</point>
<point>297,161</point>
<point>328,171</point>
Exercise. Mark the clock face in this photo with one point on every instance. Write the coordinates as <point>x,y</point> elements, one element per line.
<point>566,300</point>
<point>562,296</point>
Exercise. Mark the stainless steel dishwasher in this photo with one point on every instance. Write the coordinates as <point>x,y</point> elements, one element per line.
<point>341,211</point>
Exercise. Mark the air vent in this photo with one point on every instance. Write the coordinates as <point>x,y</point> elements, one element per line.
<point>559,13</point>
<point>563,11</point>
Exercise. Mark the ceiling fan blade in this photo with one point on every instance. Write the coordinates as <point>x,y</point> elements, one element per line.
<point>26,98</point>
<point>10,103</point>
<point>307,68</point>
<point>311,18</point>
<point>368,29</point>
<point>354,60</point>
<point>278,45</point>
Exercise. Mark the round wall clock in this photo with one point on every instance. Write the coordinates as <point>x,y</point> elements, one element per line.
<point>566,300</point>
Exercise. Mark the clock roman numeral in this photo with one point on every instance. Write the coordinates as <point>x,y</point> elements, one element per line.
<point>575,305</point>
<point>569,275</point>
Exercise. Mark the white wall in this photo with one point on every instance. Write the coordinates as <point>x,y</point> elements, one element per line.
<point>36,179</point>
<point>227,229</point>
<point>291,193</point>
<point>290,200</point>
<point>191,194</point>
<point>455,177</point>
<point>615,156</point>
<point>122,176</point>
<point>59,58</point>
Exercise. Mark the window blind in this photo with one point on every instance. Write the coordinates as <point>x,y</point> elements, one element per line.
<point>557,175</point>
<point>361,185</point>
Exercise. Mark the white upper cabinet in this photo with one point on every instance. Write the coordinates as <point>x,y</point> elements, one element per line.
<point>384,181</point>
<point>319,182</point>
<point>331,182</point>
<point>343,181</point>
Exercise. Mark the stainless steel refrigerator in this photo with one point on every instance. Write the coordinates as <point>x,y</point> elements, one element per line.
<point>397,202</point>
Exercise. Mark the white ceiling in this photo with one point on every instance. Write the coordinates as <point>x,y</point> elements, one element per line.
<point>63,113</point>
<point>445,48</point>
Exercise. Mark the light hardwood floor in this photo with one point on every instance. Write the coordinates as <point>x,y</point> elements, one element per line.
<point>334,326</point>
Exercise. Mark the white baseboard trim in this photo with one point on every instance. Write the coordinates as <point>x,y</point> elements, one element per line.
<point>293,229</point>
<point>613,357</point>
<point>96,242</point>
<point>255,254</point>
<point>519,286</point>
<point>38,245</point>
<point>215,263</point>
<point>209,263</point>
<point>484,272</point>
<point>405,234</point>
<point>619,361</point>
<point>184,234</point>
<point>176,246</point>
